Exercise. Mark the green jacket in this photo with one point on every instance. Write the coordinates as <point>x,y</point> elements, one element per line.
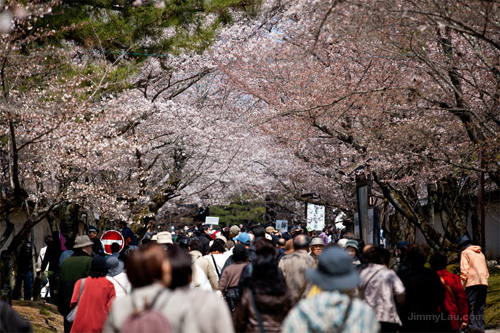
<point>72,270</point>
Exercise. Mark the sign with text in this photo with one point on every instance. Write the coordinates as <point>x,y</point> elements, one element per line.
<point>282,225</point>
<point>212,220</point>
<point>315,217</point>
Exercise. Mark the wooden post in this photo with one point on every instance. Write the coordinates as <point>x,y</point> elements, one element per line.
<point>481,203</point>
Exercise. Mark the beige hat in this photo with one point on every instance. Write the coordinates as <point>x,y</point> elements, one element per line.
<point>164,237</point>
<point>271,230</point>
<point>154,238</point>
<point>235,230</point>
<point>341,242</point>
<point>82,241</point>
<point>317,241</point>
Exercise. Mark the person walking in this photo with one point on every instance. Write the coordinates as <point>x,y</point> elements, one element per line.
<point>204,238</point>
<point>267,300</point>
<point>294,266</point>
<point>128,234</point>
<point>323,236</point>
<point>118,277</point>
<point>455,301</point>
<point>474,276</point>
<point>150,273</point>
<point>93,299</point>
<point>352,247</point>
<point>381,288</point>
<point>74,268</point>
<point>195,248</point>
<point>425,294</point>
<point>230,278</point>
<point>51,262</point>
<point>24,276</point>
<point>333,309</point>
<point>207,310</point>
<point>217,256</point>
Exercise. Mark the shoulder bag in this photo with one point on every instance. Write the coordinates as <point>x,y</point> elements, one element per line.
<point>72,314</point>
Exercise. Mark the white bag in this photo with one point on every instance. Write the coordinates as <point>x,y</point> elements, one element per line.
<point>72,314</point>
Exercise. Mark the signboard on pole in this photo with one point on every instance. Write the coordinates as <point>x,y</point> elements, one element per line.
<point>110,237</point>
<point>315,217</point>
<point>212,220</point>
<point>282,225</point>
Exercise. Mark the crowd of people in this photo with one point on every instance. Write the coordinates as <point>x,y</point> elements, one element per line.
<point>237,279</point>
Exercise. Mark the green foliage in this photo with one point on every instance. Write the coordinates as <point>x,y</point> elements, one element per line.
<point>240,212</point>
<point>117,27</point>
<point>114,77</point>
<point>116,32</point>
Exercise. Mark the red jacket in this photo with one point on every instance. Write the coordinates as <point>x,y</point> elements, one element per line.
<point>455,300</point>
<point>94,305</point>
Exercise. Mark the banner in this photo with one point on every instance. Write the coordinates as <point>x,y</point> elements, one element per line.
<point>212,220</point>
<point>282,225</point>
<point>315,217</point>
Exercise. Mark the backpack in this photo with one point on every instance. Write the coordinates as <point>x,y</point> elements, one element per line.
<point>232,298</point>
<point>147,319</point>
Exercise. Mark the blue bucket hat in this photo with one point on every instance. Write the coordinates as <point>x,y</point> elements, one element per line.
<point>243,237</point>
<point>335,271</point>
<point>115,266</point>
<point>462,241</point>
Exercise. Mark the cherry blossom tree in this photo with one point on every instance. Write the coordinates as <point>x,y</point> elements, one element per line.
<point>404,91</point>
<point>66,140</point>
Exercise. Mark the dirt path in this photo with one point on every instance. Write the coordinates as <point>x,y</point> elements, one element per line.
<point>44,317</point>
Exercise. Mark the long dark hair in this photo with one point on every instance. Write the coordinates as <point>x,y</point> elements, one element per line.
<point>182,270</point>
<point>267,278</point>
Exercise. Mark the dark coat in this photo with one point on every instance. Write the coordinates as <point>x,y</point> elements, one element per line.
<point>273,310</point>
<point>52,255</point>
<point>205,241</point>
<point>25,258</point>
<point>424,296</point>
<point>97,249</point>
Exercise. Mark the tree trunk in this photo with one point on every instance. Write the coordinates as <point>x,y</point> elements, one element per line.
<point>402,204</point>
<point>476,225</point>
<point>6,278</point>
<point>14,162</point>
<point>69,219</point>
<point>401,229</point>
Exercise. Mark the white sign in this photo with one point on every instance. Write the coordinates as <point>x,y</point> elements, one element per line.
<point>212,220</point>
<point>282,225</point>
<point>315,217</point>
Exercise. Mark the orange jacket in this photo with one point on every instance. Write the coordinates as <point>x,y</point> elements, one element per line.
<point>473,270</point>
